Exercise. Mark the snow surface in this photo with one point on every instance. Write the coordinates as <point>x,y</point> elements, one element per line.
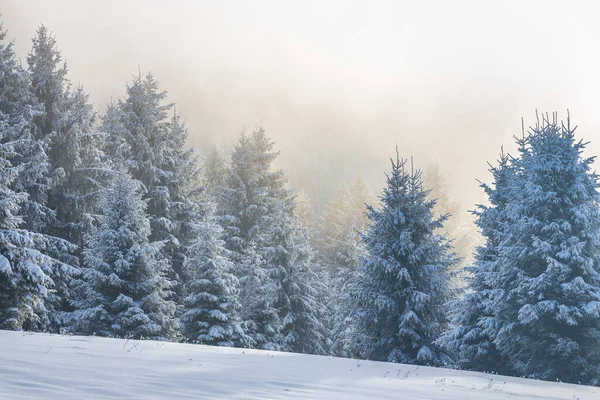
<point>35,366</point>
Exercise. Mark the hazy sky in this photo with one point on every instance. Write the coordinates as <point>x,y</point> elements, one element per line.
<point>337,84</point>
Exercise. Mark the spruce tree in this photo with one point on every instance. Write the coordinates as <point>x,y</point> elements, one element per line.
<point>65,116</point>
<point>48,76</point>
<point>339,253</point>
<point>548,273</point>
<point>471,339</point>
<point>211,314</point>
<point>214,171</point>
<point>25,268</point>
<point>142,136</point>
<point>535,288</point>
<point>125,289</point>
<point>24,271</point>
<point>300,307</point>
<point>116,148</point>
<point>248,202</point>
<point>403,282</point>
<point>270,250</point>
<point>84,166</point>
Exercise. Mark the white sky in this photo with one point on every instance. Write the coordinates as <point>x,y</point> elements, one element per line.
<point>338,84</point>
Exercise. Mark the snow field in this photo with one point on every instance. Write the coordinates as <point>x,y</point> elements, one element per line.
<point>43,366</point>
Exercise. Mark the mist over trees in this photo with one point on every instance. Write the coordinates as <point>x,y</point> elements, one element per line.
<point>111,225</point>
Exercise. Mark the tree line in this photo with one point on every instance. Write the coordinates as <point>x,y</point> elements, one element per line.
<point>111,226</point>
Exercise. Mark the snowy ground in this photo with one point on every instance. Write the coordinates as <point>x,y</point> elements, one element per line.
<point>36,366</point>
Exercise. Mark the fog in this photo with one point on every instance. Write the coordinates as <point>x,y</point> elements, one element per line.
<point>337,84</point>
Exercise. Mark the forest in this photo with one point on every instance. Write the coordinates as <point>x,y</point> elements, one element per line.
<point>111,225</point>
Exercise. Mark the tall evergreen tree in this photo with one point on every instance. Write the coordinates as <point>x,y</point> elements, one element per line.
<point>211,303</point>
<point>536,284</point>
<point>339,253</point>
<point>300,307</point>
<point>49,84</point>
<point>248,202</point>
<point>25,268</point>
<point>270,250</point>
<point>24,271</point>
<point>215,170</point>
<point>142,136</point>
<point>305,212</point>
<point>84,166</point>
<point>258,295</point>
<point>48,79</point>
<point>404,279</point>
<point>66,117</point>
<point>124,284</point>
<point>548,269</point>
<point>471,339</point>
<point>116,148</point>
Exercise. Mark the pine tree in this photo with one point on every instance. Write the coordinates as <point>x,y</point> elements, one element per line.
<point>48,79</point>
<point>24,271</point>
<point>258,295</point>
<point>404,279</point>
<point>49,85</point>
<point>269,249</point>
<point>533,301</point>
<point>65,116</point>
<point>25,268</point>
<point>153,147</point>
<point>211,304</point>
<point>305,212</point>
<point>471,339</point>
<point>300,307</point>
<point>248,202</point>
<point>116,147</point>
<point>339,253</point>
<point>214,171</point>
<point>124,284</point>
<point>548,273</point>
<point>85,168</point>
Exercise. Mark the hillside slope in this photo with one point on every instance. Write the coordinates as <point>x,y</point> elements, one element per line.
<point>35,366</point>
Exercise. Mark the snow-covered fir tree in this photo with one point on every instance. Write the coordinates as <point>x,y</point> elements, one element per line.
<point>300,307</point>
<point>340,249</point>
<point>214,170</point>
<point>116,147</point>
<point>304,210</point>
<point>48,74</point>
<point>270,250</point>
<point>404,280</point>
<point>471,338</point>
<point>246,205</point>
<point>25,270</point>
<point>152,145</point>
<point>547,318</point>
<point>83,165</point>
<point>124,284</point>
<point>211,302</point>
<point>64,115</point>
<point>533,303</point>
<point>257,296</point>
<point>48,78</point>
